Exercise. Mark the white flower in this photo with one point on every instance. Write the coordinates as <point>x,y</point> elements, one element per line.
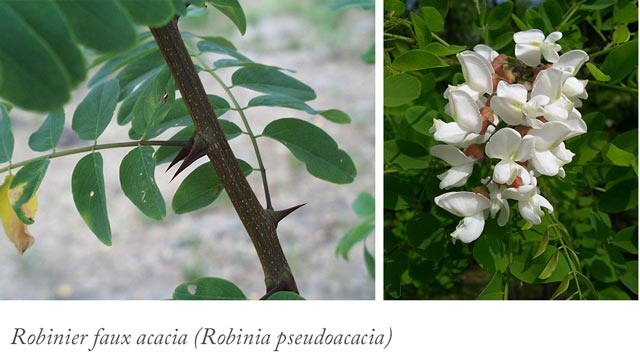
<point>575,123</point>
<point>548,83</point>
<point>461,165</point>
<point>471,207</point>
<point>486,52</point>
<point>571,61</point>
<point>510,103</point>
<point>529,200</point>
<point>498,202</point>
<point>477,71</point>
<point>467,126</point>
<point>508,146</point>
<point>531,44</point>
<point>575,90</point>
<point>550,153</point>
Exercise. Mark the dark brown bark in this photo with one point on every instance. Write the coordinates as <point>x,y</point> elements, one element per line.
<point>259,225</point>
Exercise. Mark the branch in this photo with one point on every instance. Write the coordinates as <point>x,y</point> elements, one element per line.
<point>95,147</point>
<point>259,225</point>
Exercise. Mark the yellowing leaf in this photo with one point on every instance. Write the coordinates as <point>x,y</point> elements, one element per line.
<point>15,229</point>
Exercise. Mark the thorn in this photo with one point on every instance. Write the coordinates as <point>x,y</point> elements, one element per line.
<point>278,215</point>
<point>190,152</point>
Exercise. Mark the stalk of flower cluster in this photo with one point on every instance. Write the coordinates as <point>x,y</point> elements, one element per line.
<point>512,114</point>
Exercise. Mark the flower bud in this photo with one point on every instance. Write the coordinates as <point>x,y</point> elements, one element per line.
<point>517,182</point>
<point>487,118</point>
<point>476,151</point>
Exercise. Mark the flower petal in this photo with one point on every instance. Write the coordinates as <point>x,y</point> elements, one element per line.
<point>548,83</point>
<point>546,163</point>
<point>504,172</point>
<point>528,36</point>
<point>477,71</point>
<point>463,203</point>
<point>553,37</point>
<point>571,61</point>
<point>451,154</point>
<point>549,135</point>
<point>456,176</point>
<point>486,52</point>
<point>469,229</point>
<point>503,144</point>
<point>450,133</point>
<point>528,54</point>
<point>465,111</point>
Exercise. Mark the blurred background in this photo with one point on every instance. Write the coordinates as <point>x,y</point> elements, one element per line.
<point>148,259</point>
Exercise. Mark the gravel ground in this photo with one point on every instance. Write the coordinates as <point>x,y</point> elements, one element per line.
<point>149,259</point>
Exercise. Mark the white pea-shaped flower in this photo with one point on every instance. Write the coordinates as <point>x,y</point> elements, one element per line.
<point>530,44</point>
<point>530,202</point>
<point>477,71</point>
<point>471,207</point>
<point>550,152</point>
<point>508,146</point>
<point>549,83</point>
<point>511,104</point>
<point>461,165</point>
<point>467,127</point>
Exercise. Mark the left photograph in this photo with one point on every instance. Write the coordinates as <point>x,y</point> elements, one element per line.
<point>199,150</point>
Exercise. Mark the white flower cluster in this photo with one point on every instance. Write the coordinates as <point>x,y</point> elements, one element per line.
<point>536,102</point>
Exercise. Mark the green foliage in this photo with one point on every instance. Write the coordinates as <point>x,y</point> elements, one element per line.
<point>45,52</point>
<point>94,113</point>
<point>27,181</point>
<point>137,178</point>
<point>586,249</point>
<point>6,135</point>
<point>201,188</point>
<point>233,10</point>
<point>48,135</point>
<point>364,207</point>
<point>271,81</point>
<point>208,288</point>
<point>311,145</point>
<point>285,295</point>
<point>87,186</point>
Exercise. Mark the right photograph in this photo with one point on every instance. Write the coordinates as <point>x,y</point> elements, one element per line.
<point>510,150</point>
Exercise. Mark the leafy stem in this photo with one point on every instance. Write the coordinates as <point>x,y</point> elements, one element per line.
<point>613,86</point>
<point>56,154</point>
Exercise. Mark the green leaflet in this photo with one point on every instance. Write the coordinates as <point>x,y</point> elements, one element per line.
<point>400,89</point>
<point>272,81</point>
<point>6,135</point>
<point>47,136</point>
<point>154,103</point>
<point>208,288</point>
<point>353,236</point>
<point>152,13</point>
<point>94,113</point>
<point>315,148</point>
<point>200,188</point>
<point>285,295</point>
<point>100,25</point>
<point>87,186</point>
<point>26,183</point>
<point>418,60</point>
<point>34,77</point>
<point>233,10</point>
<point>137,178</point>
<point>333,115</point>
